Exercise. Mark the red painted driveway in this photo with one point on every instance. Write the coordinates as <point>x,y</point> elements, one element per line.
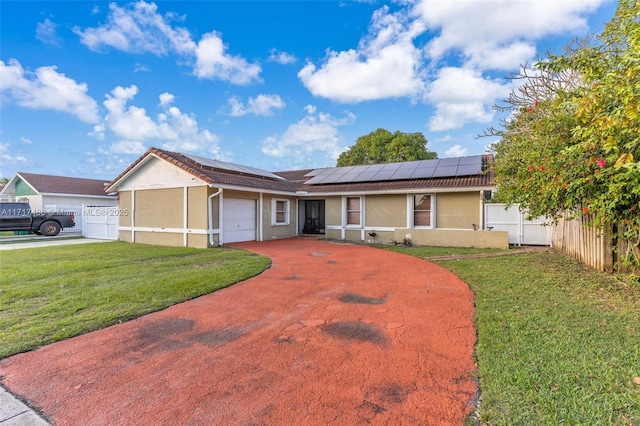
<point>330,334</point>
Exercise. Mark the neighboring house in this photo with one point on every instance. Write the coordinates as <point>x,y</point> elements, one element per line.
<point>170,198</point>
<point>52,192</point>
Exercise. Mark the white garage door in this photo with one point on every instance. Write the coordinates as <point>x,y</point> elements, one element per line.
<point>239,217</point>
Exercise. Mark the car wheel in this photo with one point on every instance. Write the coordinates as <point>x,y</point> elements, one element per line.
<point>50,228</point>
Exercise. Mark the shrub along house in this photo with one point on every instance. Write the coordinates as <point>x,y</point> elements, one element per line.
<point>171,198</point>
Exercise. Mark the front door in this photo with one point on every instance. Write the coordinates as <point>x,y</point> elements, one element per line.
<point>313,216</point>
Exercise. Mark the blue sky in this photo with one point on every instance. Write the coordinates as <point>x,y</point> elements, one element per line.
<point>86,87</point>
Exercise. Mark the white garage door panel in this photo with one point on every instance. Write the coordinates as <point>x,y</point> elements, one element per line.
<point>239,216</point>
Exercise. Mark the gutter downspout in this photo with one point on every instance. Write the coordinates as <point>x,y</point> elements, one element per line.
<point>210,214</point>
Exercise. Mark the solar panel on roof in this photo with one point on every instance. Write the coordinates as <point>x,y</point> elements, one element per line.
<point>444,162</point>
<point>209,162</point>
<point>412,165</point>
<point>402,174</point>
<point>446,171</point>
<point>423,169</point>
<point>365,176</point>
<point>375,167</point>
<point>468,170</point>
<point>345,179</point>
<point>391,166</point>
<point>471,160</point>
<point>338,172</point>
<point>383,175</point>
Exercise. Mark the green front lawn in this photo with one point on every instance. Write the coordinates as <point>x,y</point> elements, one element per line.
<point>558,343</point>
<point>53,293</point>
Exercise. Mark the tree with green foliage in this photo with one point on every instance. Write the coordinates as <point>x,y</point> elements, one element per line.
<point>382,146</point>
<point>572,142</point>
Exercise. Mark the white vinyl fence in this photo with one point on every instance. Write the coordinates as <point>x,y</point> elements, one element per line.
<point>521,231</point>
<point>100,222</point>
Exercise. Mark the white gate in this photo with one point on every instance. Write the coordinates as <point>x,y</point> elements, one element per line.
<point>100,223</point>
<point>536,231</point>
<point>63,208</point>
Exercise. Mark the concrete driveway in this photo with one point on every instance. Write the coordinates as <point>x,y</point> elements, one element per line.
<point>33,241</point>
<point>330,334</point>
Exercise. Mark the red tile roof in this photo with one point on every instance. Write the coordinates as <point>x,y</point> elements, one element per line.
<point>295,179</point>
<point>46,184</point>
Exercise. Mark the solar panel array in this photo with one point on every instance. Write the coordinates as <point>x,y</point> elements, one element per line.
<point>424,169</point>
<point>233,167</point>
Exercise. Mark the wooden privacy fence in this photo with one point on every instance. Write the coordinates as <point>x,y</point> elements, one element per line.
<point>590,245</point>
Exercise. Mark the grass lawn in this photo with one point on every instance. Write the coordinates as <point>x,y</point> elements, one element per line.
<point>53,293</point>
<point>558,343</point>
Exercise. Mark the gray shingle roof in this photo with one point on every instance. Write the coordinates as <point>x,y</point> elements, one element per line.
<point>46,184</point>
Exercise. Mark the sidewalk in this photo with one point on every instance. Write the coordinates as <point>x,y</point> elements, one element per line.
<point>14,244</point>
<point>13,412</point>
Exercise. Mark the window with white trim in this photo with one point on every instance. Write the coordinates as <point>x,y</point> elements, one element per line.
<point>354,211</point>
<point>422,210</point>
<point>279,212</point>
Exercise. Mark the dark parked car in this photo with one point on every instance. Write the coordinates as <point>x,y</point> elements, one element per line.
<point>20,217</point>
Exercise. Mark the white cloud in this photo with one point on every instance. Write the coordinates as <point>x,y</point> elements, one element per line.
<point>283,58</point>
<point>260,105</point>
<point>213,63</point>
<point>25,141</point>
<point>505,26</point>
<point>133,127</point>
<point>11,158</point>
<point>105,163</point>
<point>315,134</point>
<point>401,54</point>
<point>140,68</point>
<point>46,33</point>
<point>463,95</point>
<point>98,132</point>
<point>45,88</point>
<point>129,123</point>
<point>128,147</point>
<point>166,99</point>
<point>386,64</point>
<point>139,28</point>
<point>456,151</point>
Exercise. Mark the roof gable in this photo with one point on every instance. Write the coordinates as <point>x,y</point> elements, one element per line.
<point>154,172</point>
<point>211,172</point>
<point>48,184</point>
